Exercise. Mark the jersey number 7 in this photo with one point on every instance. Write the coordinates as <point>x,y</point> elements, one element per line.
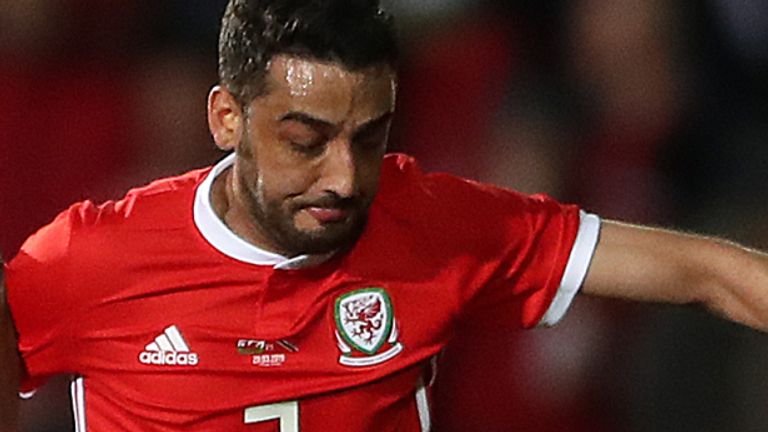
<point>286,412</point>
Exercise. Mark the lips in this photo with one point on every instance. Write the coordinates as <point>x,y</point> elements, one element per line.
<point>327,215</point>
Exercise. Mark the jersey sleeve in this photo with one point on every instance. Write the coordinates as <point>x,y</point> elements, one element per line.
<point>524,257</point>
<point>43,300</point>
<point>543,260</point>
<point>517,260</point>
<point>579,255</point>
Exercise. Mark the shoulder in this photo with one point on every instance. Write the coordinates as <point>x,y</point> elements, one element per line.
<point>85,227</point>
<point>87,248</point>
<point>147,204</point>
<point>444,216</point>
<point>405,188</point>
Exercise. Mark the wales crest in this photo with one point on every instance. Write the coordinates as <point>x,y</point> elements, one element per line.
<point>366,328</point>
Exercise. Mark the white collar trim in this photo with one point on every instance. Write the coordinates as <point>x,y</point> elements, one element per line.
<point>223,239</point>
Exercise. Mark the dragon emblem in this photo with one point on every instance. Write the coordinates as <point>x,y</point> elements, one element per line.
<point>366,327</point>
<point>364,317</point>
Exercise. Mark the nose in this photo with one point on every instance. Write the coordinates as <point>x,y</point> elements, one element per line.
<point>339,170</point>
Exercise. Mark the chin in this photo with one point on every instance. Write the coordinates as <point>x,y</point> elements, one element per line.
<point>320,243</point>
<point>325,239</point>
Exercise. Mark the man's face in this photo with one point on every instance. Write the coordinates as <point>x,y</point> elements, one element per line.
<point>310,155</point>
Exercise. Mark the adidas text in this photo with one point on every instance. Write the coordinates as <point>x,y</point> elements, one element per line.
<point>169,358</point>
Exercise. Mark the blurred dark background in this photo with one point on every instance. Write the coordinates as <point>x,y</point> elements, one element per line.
<point>652,111</point>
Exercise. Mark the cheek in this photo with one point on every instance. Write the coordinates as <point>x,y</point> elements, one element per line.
<point>281,182</point>
<point>280,175</point>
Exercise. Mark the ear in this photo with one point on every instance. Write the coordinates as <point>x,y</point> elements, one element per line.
<point>225,118</point>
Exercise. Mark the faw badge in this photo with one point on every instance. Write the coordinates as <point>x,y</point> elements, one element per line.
<point>366,328</point>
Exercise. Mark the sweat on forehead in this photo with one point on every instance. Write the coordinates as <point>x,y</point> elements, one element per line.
<point>301,73</point>
<point>328,90</point>
<point>306,79</point>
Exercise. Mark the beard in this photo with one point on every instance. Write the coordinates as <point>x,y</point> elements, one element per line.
<point>276,219</point>
<point>278,224</point>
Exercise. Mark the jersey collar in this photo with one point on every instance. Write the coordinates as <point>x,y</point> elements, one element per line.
<point>223,239</point>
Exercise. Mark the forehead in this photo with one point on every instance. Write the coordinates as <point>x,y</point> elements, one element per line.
<point>329,90</point>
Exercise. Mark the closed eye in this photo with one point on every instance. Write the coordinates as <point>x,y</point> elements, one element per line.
<point>313,148</point>
<point>374,132</point>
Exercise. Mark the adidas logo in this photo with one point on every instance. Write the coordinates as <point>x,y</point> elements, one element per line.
<point>169,349</point>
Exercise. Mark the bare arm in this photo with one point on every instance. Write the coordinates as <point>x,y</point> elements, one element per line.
<point>9,366</point>
<point>640,263</point>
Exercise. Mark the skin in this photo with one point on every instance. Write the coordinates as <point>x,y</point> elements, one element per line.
<point>641,263</point>
<point>309,154</point>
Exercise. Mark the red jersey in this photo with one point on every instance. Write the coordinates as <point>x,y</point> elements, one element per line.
<point>171,322</point>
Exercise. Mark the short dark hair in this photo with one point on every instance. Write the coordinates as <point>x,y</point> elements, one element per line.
<point>354,33</point>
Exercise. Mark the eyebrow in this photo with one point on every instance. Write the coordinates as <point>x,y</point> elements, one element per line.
<point>372,124</point>
<point>306,119</point>
<point>318,122</point>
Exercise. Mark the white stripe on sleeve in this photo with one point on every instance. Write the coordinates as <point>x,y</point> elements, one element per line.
<point>575,270</point>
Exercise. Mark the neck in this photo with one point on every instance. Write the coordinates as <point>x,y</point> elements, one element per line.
<point>235,215</point>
